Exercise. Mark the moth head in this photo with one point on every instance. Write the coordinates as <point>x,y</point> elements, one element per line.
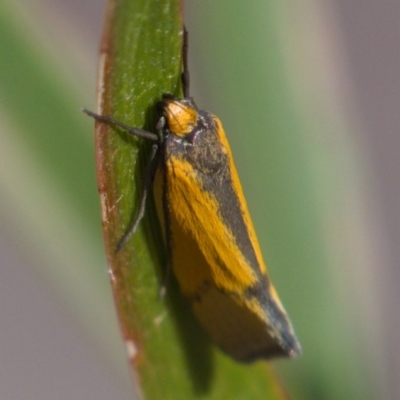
<point>181,115</point>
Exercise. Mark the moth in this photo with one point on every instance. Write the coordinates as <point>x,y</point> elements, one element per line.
<point>209,234</point>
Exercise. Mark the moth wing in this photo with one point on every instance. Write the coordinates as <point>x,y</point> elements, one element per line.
<point>216,277</point>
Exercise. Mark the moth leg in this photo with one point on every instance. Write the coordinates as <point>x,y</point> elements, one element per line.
<point>168,238</point>
<point>148,180</point>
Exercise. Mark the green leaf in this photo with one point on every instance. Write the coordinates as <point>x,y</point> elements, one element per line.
<point>172,357</point>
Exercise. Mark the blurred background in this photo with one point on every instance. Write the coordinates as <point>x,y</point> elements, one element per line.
<point>309,96</point>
